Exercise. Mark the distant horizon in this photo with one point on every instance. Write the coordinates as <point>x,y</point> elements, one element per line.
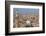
<point>25,11</point>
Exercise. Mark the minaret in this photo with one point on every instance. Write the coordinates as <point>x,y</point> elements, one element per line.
<point>16,14</point>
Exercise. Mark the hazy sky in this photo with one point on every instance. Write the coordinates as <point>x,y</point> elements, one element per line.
<point>26,11</point>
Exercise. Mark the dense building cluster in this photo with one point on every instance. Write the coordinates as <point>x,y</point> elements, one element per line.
<point>28,20</point>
